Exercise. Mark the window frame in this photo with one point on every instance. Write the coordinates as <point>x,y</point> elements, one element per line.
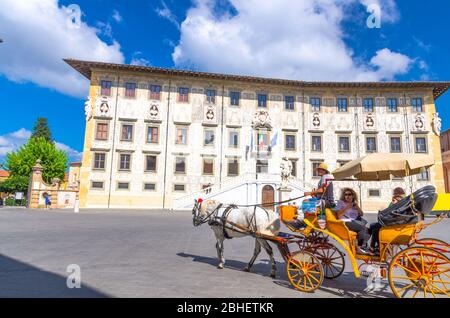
<point>108,88</point>
<point>321,143</point>
<point>237,162</point>
<point>94,161</point>
<point>97,131</point>
<point>314,107</point>
<point>179,184</point>
<point>414,107</point>
<point>175,166</point>
<point>150,190</point>
<point>264,101</point>
<point>176,135</point>
<point>122,182</point>
<point>152,94</point>
<point>425,143</point>
<point>204,137</point>
<point>132,132</point>
<point>390,143</point>
<point>212,168</point>
<point>147,131</point>
<point>389,106</point>
<point>134,90</point>
<point>286,135</point>
<point>180,99</point>
<point>95,188</point>
<point>376,144</point>
<point>288,103</point>
<point>146,163</point>
<point>232,146</point>
<point>349,143</point>
<point>120,162</point>
<point>339,99</point>
<point>211,99</point>
<point>238,98</point>
<point>372,99</point>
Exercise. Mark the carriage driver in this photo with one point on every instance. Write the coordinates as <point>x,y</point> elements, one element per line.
<point>324,189</point>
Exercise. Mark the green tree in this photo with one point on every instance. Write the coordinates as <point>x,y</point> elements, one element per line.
<point>14,184</point>
<point>53,161</point>
<point>41,129</point>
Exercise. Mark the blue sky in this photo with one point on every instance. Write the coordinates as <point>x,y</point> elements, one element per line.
<point>306,40</point>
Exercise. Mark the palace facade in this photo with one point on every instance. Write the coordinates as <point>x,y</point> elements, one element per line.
<point>159,138</point>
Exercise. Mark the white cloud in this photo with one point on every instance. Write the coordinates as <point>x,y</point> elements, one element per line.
<point>390,63</point>
<point>117,17</point>
<point>12,141</point>
<point>280,38</point>
<point>37,36</point>
<point>73,154</point>
<point>166,13</point>
<point>137,59</point>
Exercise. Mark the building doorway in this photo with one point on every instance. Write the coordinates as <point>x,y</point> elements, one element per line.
<point>268,197</point>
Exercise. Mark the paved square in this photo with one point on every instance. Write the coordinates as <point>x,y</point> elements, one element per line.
<point>143,254</point>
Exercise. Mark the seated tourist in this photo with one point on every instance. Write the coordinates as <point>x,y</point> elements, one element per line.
<point>374,228</point>
<point>348,210</point>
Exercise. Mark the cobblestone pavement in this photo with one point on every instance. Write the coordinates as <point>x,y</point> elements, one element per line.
<point>143,254</point>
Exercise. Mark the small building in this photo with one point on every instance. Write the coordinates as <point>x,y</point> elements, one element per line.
<point>445,147</point>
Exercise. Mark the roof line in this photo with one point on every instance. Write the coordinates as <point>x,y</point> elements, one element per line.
<point>85,68</point>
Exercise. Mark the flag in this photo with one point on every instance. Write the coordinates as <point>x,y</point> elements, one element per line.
<point>274,140</point>
<point>249,147</point>
<point>261,141</point>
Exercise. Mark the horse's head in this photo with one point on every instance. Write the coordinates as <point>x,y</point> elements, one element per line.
<point>200,211</point>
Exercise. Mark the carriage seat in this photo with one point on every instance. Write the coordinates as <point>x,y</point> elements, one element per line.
<point>338,227</point>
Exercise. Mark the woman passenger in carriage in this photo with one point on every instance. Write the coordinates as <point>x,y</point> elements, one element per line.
<point>348,210</point>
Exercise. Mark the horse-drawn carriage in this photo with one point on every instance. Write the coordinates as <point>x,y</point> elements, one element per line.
<point>413,266</point>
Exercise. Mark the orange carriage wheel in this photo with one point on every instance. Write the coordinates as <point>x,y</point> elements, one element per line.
<point>435,244</point>
<point>331,258</point>
<point>420,272</point>
<point>304,271</point>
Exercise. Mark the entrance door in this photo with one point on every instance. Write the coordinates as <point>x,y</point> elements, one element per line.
<point>268,196</point>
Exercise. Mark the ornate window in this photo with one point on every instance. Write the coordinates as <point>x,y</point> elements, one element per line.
<point>130,90</point>
<point>155,92</point>
<point>342,104</point>
<point>315,104</point>
<point>152,135</point>
<point>105,88</point>
<point>102,131</point>
<point>392,105</point>
<point>262,100</point>
<point>151,163</point>
<point>368,105</point>
<point>234,98</point>
<point>125,162</point>
<point>289,103</point>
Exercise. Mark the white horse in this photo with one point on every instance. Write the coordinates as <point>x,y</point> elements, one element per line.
<point>222,220</point>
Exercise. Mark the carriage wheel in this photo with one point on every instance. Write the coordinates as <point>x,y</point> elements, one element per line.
<point>419,272</point>
<point>304,271</point>
<point>331,258</point>
<point>435,244</point>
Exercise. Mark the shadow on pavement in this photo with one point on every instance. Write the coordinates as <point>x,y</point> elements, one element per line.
<point>258,268</point>
<point>18,279</point>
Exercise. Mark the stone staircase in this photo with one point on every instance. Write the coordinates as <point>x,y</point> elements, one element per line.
<point>235,188</point>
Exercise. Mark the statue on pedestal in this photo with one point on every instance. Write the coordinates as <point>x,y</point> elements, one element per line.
<point>286,171</point>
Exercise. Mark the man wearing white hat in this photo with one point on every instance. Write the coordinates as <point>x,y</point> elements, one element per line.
<point>325,186</point>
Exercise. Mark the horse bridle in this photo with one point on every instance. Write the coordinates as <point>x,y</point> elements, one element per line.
<point>198,219</point>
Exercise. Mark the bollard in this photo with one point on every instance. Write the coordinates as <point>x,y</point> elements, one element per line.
<point>76,207</point>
